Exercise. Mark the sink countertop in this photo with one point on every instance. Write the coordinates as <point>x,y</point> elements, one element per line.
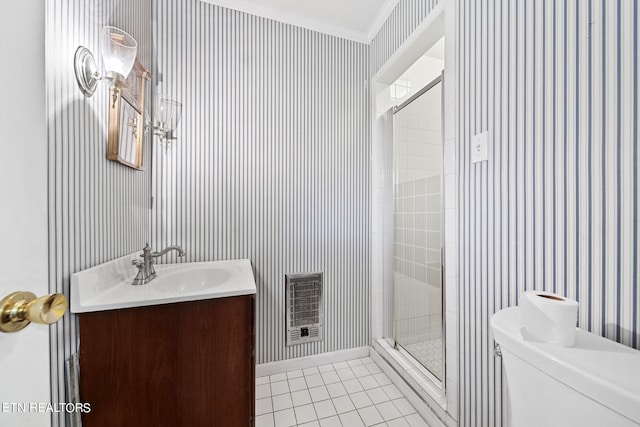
<point>108,286</point>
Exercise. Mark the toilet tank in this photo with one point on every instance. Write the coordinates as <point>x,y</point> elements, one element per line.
<point>594,383</point>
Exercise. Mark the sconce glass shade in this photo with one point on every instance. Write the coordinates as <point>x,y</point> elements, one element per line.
<point>118,52</point>
<point>168,114</point>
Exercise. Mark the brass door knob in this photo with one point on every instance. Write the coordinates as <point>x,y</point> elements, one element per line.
<point>21,308</point>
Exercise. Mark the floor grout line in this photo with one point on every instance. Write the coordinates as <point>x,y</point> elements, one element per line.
<point>368,406</point>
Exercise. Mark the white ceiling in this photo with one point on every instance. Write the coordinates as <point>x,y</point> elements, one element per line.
<point>357,20</point>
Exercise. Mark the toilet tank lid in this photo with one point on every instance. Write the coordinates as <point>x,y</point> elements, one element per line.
<point>604,370</point>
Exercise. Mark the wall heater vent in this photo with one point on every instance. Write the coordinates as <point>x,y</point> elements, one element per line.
<point>304,307</point>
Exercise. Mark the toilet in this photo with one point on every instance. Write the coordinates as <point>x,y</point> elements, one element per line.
<point>594,383</point>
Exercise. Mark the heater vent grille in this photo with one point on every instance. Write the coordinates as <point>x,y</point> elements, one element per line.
<point>304,307</point>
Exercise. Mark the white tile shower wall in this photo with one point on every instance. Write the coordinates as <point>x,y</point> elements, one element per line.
<point>417,138</point>
<point>417,273</point>
<point>98,209</point>
<point>556,85</point>
<point>271,163</point>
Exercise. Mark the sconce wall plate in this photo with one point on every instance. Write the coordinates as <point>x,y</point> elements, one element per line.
<point>86,70</point>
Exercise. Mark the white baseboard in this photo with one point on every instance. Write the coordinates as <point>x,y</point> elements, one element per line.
<point>281,366</point>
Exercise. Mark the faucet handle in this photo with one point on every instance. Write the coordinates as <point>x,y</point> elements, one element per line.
<point>146,251</point>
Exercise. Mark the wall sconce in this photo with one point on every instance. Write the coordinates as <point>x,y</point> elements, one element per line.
<point>118,51</point>
<point>167,116</point>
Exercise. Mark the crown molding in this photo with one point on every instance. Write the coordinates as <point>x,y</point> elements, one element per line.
<point>381,18</point>
<point>292,19</point>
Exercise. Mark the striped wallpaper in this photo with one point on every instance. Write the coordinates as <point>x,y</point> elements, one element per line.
<point>272,164</point>
<point>556,206</point>
<point>403,20</point>
<point>271,161</point>
<point>98,209</point>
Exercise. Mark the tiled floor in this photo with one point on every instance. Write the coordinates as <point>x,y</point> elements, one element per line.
<point>349,394</point>
<point>429,353</point>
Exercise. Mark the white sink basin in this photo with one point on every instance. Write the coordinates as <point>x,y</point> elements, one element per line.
<point>196,278</point>
<point>108,286</point>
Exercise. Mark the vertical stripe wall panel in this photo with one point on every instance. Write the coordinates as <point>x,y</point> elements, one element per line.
<point>405,17</point>
<point>98,209</point>
<point>561,107</point>
<point>271,161</point>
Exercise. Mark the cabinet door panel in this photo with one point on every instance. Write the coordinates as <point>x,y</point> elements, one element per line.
<point>177,364</point>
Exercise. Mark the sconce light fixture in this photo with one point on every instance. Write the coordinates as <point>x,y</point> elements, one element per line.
<point>118,51</point>
<point>167,115</point>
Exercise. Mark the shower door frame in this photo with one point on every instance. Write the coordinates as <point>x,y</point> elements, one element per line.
<point>393,341</point>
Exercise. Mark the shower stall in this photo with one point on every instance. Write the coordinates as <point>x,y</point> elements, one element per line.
<point>418,229</point>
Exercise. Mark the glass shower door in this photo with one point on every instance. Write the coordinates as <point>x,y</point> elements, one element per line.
<point>417,227</point>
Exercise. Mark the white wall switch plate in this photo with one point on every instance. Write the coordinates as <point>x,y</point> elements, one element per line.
<point>479,147</point>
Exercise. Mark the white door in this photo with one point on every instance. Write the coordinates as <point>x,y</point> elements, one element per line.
<point>24,355</point>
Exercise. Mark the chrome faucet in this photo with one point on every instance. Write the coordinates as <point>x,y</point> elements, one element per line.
<point>146,270</point>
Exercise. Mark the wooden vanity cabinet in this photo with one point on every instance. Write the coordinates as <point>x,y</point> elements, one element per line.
<point>181,364</point>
